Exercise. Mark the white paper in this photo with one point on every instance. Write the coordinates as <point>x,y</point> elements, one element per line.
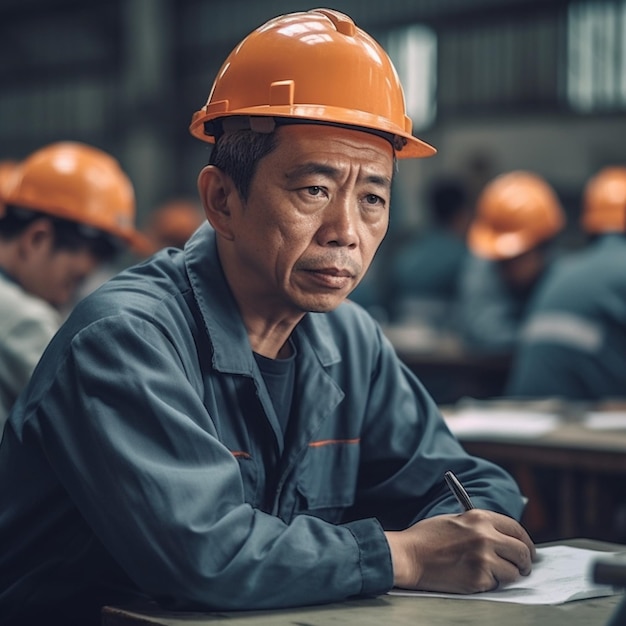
<point>500,423</point>
<point>561,574</point>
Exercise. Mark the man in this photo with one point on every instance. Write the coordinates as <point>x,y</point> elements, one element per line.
<point>172,223</point>
<point>7,171</point>
<point>518,215</point>
<point>426,269</point>
<point>216,428</point>
<point>574,343</point>
<point>64,210</point>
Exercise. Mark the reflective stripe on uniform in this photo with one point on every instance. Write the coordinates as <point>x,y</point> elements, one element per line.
<point>565,329</point>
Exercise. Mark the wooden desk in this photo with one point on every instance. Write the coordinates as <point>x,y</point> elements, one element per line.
<point>392,611</point>
<point>588,466</point>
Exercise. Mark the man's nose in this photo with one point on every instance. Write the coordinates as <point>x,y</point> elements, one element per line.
<point>339,227</point>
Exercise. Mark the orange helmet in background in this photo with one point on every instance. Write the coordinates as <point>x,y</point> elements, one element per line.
<point>79,183</point>
<point>315,66</point>
<point>515,212</point>
<point>8,169</point>
<point>604,202</point>
<point>172,223</point>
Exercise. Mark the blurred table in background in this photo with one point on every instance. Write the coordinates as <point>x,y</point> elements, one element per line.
<point>569,459</point>
<point>446,368</point>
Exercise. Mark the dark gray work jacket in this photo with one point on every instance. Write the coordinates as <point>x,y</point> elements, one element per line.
<point>146,458</point>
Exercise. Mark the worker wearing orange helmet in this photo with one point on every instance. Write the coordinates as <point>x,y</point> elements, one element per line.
<point>217,427</point>
<point>64,210</point>
<point>7,171</point>
<point>573,344</point>
<point>518,215</point>
<point>172,223</point>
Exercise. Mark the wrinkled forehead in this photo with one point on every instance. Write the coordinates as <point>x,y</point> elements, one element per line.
<point>373,151</point>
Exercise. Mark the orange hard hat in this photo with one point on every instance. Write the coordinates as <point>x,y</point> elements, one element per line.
<point>514,213</point>
<point>79,183</point>
<point>315,66</point>
<point>604,202</point>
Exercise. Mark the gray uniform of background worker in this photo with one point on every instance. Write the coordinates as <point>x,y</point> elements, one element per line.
<point>573,344</point>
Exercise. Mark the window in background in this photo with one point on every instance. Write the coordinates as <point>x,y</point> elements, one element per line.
<point>596,76</point>
<point>413,50</point>
<point>501,63</point>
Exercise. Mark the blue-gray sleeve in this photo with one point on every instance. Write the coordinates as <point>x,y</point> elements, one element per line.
<point>407,448</point>
<point>140,458</point>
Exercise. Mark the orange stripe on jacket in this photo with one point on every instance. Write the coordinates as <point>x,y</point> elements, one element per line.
<point>330,442</point>
<point>241,454</point>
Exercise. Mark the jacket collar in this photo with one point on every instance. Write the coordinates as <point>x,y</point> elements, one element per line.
<point>222,319</point>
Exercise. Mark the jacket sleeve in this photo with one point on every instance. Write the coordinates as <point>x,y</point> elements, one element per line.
<point>127,433</point>
<point>406,449</point>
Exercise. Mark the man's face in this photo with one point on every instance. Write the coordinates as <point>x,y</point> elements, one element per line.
<point>317,211</point>
<point>522,271</point>
<point>63,274</point>
<point>52,274</point>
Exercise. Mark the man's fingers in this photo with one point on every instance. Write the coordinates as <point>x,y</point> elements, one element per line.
<point>508,526</point>
<point>505,572</point>
<point>517,554</point>
<point>511,542</point>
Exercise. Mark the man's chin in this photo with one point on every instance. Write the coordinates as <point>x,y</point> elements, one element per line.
<point>324,304</point>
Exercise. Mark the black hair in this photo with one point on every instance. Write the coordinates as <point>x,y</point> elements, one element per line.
<point>237,154</point>
<point>68,235</point>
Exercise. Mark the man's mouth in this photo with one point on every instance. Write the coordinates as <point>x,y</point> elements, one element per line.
<point>331,277</point>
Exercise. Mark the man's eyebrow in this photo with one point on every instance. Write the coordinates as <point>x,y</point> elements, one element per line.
<point>381,181</point>
<point>314,167</point>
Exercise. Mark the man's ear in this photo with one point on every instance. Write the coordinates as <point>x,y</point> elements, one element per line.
<point>37,238</point>
<point>218,193</point>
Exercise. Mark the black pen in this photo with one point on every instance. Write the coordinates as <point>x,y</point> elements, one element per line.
<point>458,490</point>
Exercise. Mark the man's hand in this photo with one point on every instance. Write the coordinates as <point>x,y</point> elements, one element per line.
<point>467,553</point>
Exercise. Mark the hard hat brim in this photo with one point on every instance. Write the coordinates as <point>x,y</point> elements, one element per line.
<point>485,243</point>
<point>412,148</point>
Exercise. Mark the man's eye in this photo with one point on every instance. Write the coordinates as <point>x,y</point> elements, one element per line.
<point>373,199</point>
<point>314,191</point>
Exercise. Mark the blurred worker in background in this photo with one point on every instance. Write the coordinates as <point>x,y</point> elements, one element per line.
<point>573,344</point>
<point>425,271</point>
<point>65,209</point>
<point>168,225</point>
<point>7,172</point>
<point>518,215</point>
<point>217,427</point>
<point>172,223</point>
